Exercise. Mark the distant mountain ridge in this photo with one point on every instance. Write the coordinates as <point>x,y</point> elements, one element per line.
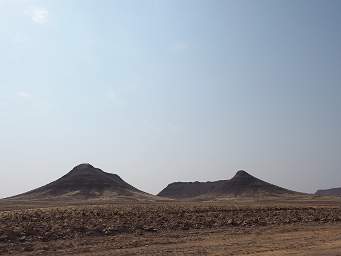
<point>329,192</point>
<point>85,182</point>
<point>242,184</point>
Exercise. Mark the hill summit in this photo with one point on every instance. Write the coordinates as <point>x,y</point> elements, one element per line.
<point>85,182</point>
<point>242,184</point>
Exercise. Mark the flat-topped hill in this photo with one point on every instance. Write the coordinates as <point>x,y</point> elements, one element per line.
<point>242,184</point>
<point>329,192</point>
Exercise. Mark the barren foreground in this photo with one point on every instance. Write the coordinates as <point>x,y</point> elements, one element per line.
<point>169,228</point>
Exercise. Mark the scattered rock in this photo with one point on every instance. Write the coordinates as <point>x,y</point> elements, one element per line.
<point>50,224</point>
<point>3,238</point>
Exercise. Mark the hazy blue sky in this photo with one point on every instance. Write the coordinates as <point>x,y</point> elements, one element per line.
<point>163,91</point>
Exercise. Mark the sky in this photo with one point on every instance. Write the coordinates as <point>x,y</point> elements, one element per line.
<point>160,91</point>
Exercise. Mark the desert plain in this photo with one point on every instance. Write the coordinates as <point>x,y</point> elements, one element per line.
<point>292,225</point>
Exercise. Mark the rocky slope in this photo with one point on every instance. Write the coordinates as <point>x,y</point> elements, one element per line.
<point>329,192</point>
<point>86,182</point>
<point>242,184</point>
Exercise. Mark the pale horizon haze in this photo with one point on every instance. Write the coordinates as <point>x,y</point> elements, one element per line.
<point>159,91</point>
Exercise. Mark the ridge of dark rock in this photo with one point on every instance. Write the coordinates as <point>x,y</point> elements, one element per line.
<point>329,192</point>
<point>241,184</point>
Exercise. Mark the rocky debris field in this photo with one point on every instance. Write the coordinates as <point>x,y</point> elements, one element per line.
<point>22,226</point>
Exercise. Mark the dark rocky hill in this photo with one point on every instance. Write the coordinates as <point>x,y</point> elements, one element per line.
<point>329,192</point>
<point>242,184</point>
<point>85,182</point>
